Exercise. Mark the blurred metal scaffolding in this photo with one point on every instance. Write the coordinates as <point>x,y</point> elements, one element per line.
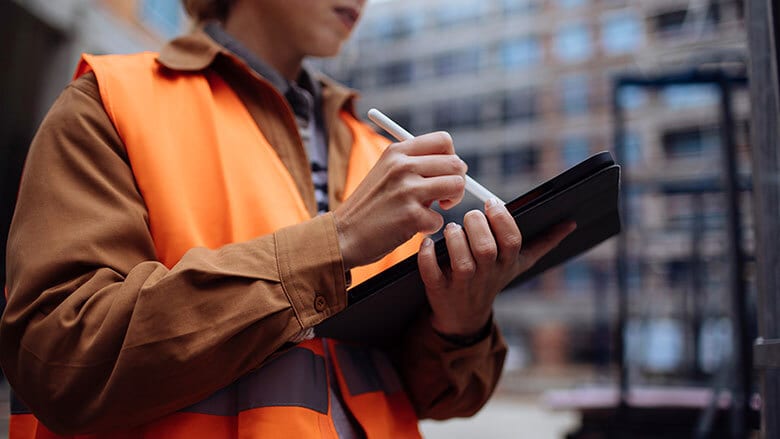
<point>741,383</point>
<point>763,27</point>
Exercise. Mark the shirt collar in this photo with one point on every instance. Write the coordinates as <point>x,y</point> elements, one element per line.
<point>199,49</point>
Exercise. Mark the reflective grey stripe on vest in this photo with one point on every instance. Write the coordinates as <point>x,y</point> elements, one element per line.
<point>296,378</point>
<point>17,406</point>
<point>367,370</point>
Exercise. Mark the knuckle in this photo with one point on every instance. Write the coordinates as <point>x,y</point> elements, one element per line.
<point>456,165</point>
<point>443,137</point>
<point>457,184</point>
<point>463,267</point>
<point>430,222</point>
<point>391,153</point>
<point>412,211</point>
<point>486,250</point>
<point>512,241</point>
<point>400,164</point>
<point>462,166</point>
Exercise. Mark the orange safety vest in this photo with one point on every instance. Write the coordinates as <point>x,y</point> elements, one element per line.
<point>204,170</point>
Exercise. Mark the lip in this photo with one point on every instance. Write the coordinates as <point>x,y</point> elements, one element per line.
<point>348,15</point>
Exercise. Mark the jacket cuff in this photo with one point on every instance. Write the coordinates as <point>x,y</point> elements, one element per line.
<point>456,355</point>
<point>311,269</point>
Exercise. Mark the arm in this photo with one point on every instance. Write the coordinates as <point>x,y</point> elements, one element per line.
<point>443,379</point>
<point>99,335</point>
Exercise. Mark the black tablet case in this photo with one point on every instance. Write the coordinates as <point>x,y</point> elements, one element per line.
<point>381,308</point>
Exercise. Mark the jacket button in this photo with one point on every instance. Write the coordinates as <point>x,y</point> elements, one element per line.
<point>320,303</point>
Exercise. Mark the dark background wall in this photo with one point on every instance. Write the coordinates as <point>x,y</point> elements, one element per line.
<point>30,41</point>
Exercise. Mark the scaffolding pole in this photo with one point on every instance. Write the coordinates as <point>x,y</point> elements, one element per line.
<point>762,28</point>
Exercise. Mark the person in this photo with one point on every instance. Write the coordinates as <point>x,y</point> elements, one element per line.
<point>186,218</point>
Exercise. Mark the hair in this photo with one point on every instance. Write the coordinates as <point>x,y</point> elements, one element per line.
<point>204,10</point>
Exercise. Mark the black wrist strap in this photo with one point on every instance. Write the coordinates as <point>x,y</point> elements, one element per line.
<point>468,340</point>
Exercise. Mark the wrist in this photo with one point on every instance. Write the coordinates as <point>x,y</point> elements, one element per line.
<point>468,337</point>
<point>345,246</point>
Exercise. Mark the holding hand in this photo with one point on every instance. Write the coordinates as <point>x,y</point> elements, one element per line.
<point>485,255</point>
<point>393,202</point>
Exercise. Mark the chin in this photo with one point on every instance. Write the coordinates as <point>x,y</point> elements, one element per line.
<point>326,50</point>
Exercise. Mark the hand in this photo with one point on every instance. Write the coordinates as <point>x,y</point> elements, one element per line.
<point>484,258</point>
<point>393,202</point>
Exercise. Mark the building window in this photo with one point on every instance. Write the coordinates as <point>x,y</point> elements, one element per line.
<point>518,6</point>
<point>457,14</point>
<point>403,117</point>
<point>632,97</point>
<point>568,4</point>
<point>621,33</point>
<point>687,96</point>
<point>518,105</point>
<point>461,113</point>
<point>634,206</point>
<point>681,21</point>
<point>398,27</point>
<point>576,276</point>
<point>572,43</point>
<point>472,161</point>
<point>575,94</point>
<point>519,161</point>
<point>395,73</point>
<point>632,149</point>
<point>690,142</point>
<point>456,63</point>
<point>520,52</point>
<point>574,150</point>
<point>165,17</point>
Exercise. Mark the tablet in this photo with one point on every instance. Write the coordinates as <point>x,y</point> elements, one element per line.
<point>380,309</point>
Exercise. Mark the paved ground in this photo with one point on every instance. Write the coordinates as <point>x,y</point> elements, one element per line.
<point>504,418</point>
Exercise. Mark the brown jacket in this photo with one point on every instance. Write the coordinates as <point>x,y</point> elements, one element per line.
<point>87,299</point>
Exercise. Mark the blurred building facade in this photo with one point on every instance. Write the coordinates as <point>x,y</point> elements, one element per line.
<point>525,88</point>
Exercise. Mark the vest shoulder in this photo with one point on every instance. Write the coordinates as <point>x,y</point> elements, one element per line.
<point>124,60</point>
<point>125,65</point>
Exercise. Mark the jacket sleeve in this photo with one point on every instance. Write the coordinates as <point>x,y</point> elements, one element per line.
<point>444,380</point>
<point>97,334</point>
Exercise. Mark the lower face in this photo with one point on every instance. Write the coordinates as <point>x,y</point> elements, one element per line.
<point>313,27</point>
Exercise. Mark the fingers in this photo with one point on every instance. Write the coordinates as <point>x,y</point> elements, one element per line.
<point>437,165</point>
<point>432,143</point>
<point>431,274</point>
<point>480,238</point>
<point>429,221</point>
<point>507,235</point>
<point>448,187</point>
<point>542,245</point>
<point>461,261</point>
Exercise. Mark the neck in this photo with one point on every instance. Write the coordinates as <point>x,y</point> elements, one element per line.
<point>264,41</point>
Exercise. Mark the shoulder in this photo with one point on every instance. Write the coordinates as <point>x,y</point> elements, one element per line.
<point>77,120</point>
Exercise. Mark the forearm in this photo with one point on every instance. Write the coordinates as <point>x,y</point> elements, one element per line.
<point>444,380</point>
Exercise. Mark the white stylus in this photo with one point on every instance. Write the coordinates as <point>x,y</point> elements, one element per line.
<point>401,134</point>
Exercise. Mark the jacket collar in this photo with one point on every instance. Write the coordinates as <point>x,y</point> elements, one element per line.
<point>197,51</point>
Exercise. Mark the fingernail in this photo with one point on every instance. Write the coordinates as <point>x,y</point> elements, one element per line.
<point>491,203</point>
<point>452,227</point>
<point>427,242</point>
